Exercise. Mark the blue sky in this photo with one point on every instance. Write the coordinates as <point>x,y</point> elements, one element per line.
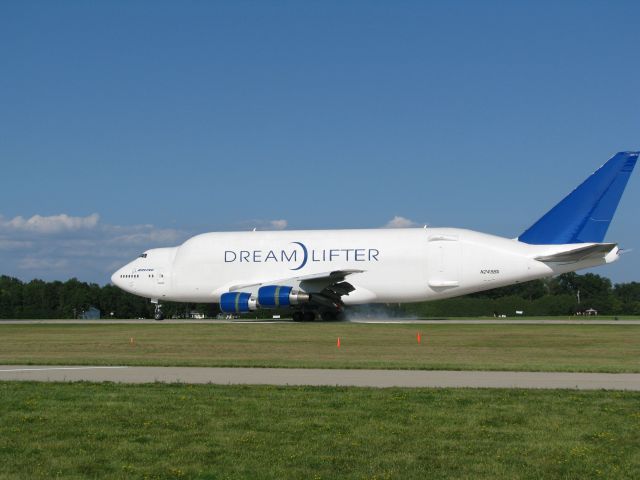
<point>129,125</point>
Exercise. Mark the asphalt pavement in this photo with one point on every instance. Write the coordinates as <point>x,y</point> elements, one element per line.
<point>323,377</point>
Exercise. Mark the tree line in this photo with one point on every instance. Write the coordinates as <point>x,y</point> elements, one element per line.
<point>567,294</point>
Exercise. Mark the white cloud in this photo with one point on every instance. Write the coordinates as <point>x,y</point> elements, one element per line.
<point>50,224</point>
<point>64,246</point>
<point>400,222</point>
<point>142,235</point>
<point>260,224</point>
<point>278,224</point>
<point>35,263</point>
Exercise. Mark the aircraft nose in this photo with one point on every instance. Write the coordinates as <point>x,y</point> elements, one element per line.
<point>115,278</point>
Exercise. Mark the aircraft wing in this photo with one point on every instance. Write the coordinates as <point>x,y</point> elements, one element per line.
<point>597,250</point>
<point>325,289</point>
<point>312,283</point>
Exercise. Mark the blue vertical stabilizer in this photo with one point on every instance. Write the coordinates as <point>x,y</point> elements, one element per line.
<point>585,214</point>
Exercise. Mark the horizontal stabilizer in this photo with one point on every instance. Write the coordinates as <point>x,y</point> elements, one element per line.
<point>585,214</point>
<point>599,250</point>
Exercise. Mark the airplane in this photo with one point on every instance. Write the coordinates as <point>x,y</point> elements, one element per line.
<point>316,273</point>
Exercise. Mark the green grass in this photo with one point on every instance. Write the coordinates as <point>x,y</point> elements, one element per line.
<point>85,430</point>
<point>595,348</point>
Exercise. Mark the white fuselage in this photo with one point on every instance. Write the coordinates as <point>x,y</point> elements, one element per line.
<point>394,265</point>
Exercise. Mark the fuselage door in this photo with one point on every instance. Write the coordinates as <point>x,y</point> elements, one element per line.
<point>443,262</point>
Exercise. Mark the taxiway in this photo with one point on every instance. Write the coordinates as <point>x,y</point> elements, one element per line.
<point>324,377</point>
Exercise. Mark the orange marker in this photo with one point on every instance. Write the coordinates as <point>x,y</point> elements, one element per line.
<point>338,344</point>
<point>419,337</point>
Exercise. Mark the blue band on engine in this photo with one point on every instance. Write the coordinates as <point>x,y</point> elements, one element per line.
<point>273,296</point>
<point>235,302</point>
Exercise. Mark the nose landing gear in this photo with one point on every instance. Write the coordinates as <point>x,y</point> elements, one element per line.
<point>158,315</point>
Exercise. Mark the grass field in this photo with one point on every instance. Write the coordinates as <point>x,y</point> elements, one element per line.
<point>87,430</point>
<point>595,348</point>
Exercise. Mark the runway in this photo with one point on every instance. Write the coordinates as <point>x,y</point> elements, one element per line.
<point>323,377</point>
<point>396,321</point>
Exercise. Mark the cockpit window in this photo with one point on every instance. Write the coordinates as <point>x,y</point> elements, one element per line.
<point>143,255</point>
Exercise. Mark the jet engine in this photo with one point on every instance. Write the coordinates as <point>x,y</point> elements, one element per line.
<point>274,296</point>
<point>237,302</point>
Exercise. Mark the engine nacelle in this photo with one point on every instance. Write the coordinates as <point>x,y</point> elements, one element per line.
<point>274,296</point>
<point>237,302</point>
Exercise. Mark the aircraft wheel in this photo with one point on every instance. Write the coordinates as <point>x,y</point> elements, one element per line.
<point>298,317</point>
<point>158,315</point>
<point>309,316</point>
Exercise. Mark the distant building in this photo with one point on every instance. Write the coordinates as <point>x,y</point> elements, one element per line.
<point>591,311</point>
<point>92,313</point>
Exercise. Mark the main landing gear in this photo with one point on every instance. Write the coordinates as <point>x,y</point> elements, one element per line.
<point>306,316</point>
<point>310,316</point>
